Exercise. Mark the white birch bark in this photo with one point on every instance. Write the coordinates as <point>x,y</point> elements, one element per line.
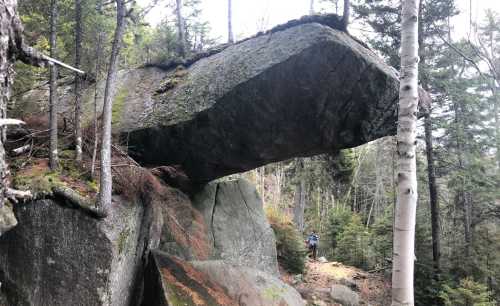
<point>404,223</point>
<point>230,35</point>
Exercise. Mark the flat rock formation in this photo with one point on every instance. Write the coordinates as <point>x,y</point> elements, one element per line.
<point>297,91</point>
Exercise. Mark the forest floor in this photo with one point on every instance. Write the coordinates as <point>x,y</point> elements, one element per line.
<point>319,277</point>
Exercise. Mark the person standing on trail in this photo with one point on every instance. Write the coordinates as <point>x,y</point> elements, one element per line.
<point>312,243</point>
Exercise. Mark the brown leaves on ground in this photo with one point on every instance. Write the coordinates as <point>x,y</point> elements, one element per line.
<point>373,289</point>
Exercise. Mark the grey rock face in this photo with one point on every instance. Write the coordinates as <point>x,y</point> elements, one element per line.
<point>171,281</point>
<point>301,91</point>
<point>238,230</point>
<point>7,219</point>
<point>60,256</point>
<point>344,295</point>
<point>249,286</point>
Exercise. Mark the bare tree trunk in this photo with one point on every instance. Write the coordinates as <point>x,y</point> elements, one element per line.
<point>98,56</point>
<point>300,199</point>
<point>181,30</point>
<point>106,179</point>
<point>497,121</point>
<point>404,225</point>
<point>230,35</point>
<point>463,199</point>
<point>311,7</point>
<point>345,16</point>
<point>53,154</point>
<point>78,80</point>
<point>433,197</point>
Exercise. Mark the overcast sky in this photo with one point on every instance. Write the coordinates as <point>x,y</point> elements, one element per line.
<point>250,16</point>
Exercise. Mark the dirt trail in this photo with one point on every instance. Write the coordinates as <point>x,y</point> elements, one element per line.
<point>319,277</point>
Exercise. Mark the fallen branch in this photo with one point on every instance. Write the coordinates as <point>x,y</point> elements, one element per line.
<point>15,195</point>
<point>4,122</point>
<point>21,150</point>
<point>76,200</point>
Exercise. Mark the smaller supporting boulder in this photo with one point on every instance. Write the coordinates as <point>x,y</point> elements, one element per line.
<point>238,230</point>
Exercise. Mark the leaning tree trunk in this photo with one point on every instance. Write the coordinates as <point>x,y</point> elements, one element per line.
<point>106,180</point>
<point>53,154</point>
<point>404,224</point>
<point>230,35</point>
<point>78,80</point>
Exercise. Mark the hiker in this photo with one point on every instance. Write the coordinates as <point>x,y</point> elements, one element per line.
<point>312,243</point>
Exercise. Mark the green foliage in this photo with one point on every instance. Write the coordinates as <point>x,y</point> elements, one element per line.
<point>468,293</point>
<point>289,242</point>
<point>354,245</point>
<point>338,221</point>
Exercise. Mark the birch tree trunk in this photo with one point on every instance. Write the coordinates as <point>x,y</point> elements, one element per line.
<point>230,35</point>
<point>181,31</point>
<point>311,7</point>
<point>405,214</point>
<point>53,154</point>
<point>106,179</point>
<point>345,15</point>
<point>78,80</point>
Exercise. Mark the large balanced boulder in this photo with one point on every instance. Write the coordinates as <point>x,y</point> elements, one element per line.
<point>58,255</point>
<point>298,90</point>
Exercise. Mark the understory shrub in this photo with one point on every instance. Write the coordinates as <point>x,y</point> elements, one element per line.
<point>289,242</point>
<point>467,293</point>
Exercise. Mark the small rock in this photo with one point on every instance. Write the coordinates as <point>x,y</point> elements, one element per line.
<point>7,219</point>
<point>322,259</point>
<point>343,295</point>
<point>349,283</point>
<point>297,279</point>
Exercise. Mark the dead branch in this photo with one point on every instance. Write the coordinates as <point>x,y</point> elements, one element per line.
<point>78,201</point>
<point>16,195</point>
<point>4,122</point>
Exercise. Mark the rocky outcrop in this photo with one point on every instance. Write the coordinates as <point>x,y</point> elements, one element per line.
<point>61,256</point>
<point>249,286</point>
<point>299,91</point>
<point>238,230</point>
<point>171,281</point>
